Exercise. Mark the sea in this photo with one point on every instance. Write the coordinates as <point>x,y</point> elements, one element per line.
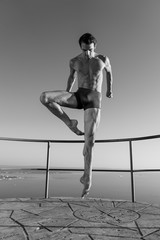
<point>30,183</point>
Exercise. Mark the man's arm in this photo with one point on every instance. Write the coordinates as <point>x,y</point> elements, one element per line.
<point>72,77</point>
<point>109,78</point>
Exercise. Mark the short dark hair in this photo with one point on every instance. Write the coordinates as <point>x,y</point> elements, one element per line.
<point>87,38</point>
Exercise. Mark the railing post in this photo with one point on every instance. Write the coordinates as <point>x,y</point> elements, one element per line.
<point>47,171</point>
<point>131,169</point>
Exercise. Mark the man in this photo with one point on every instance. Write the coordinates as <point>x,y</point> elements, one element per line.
<point>87,68</point>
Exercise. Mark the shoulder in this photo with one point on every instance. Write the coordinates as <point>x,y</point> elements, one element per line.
<point>104,58</point>
<point>73,61</point>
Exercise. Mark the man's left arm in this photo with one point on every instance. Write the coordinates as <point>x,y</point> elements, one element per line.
<point>72,77</point>
<point>109,78</point>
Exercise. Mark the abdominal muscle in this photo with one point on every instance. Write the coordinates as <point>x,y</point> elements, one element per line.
<point>90,82</point>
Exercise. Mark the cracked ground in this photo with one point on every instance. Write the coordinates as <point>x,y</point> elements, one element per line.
<point>77,219</point>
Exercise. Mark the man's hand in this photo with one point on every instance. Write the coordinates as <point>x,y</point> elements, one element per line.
<point>109,94</point>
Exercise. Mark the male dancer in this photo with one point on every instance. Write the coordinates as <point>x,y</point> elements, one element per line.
<point>87,68</point>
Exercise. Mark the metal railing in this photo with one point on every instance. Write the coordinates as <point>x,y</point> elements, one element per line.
<point>129,140</point>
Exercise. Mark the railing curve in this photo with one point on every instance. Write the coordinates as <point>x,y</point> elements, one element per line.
<point>129,140</point>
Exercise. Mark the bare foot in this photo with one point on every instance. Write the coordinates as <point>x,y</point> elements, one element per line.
<point>73,127</point>
<point>87,186</point>
<point>86,189</point>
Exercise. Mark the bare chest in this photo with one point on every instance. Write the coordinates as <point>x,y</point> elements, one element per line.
<point>92,66</point>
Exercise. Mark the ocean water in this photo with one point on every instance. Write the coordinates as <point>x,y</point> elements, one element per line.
<point>26,183</point>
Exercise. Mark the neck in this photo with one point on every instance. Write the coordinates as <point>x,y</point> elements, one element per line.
<point>85,57</point>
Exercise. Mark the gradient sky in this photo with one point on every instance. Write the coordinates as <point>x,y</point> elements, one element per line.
<point>39,37</point>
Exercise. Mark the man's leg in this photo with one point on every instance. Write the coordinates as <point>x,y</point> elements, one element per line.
<point>54,100</point>
<point>91,122</point>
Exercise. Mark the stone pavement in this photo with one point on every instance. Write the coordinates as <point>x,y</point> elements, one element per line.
<point>78,219</point>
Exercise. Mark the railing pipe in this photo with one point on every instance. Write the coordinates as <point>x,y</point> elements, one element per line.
<point>132,171</point>
<point>47,171</point>
<point>80,141</point>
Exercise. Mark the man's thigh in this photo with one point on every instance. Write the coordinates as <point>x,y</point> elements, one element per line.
<point>63,98</point>
<point>91,121</point>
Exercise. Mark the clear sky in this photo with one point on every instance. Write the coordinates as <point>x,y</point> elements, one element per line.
<point>39,37</point>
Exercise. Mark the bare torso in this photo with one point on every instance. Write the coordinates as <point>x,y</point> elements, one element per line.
<point>89,71</point>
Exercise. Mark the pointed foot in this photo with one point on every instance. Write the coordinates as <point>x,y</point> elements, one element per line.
<point>87,186</point>
<point>73,127</point>
<point>84,193</point>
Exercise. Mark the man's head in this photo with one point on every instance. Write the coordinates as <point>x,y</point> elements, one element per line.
<point>88,44</point>
<point>87,38</point>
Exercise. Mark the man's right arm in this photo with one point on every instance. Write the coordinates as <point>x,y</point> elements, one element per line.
<point>71,78</point>
<point>109,78</point>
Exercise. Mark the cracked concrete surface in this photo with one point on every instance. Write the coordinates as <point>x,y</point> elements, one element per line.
<point>77,219</point>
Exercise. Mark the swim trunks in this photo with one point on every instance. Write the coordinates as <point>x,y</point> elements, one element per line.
<point>87,98</point>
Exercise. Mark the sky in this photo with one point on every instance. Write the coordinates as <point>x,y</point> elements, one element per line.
<point>39,37</point>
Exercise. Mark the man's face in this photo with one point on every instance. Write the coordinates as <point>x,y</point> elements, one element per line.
<point>88,50</point>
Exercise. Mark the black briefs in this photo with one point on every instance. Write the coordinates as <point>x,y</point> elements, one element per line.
<point>87,98</point>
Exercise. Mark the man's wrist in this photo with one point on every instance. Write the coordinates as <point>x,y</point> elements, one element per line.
<point>109,93</point>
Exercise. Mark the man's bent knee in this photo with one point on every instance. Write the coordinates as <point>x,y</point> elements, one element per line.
<point>44,99</point>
